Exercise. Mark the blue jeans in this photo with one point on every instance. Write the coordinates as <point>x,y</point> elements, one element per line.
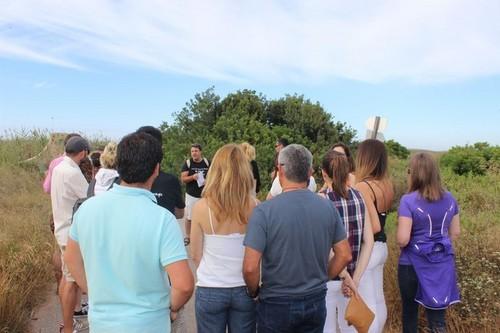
<point>292,314</point>
<point>408,285</point>
<point>218,308</point>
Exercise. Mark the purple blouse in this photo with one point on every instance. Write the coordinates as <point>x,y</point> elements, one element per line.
<point>428,217</point>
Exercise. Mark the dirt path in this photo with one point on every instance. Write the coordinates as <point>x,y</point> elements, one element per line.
<point>47,317</point>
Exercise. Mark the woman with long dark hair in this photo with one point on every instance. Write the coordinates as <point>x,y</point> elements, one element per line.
<point>374,183</point>
<point>351,207</point>
<point>428,221</point>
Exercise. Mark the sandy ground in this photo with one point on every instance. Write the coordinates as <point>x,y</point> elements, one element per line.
<point>47,317</point>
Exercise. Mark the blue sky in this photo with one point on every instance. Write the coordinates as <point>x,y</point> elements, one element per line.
<point>432,68</point>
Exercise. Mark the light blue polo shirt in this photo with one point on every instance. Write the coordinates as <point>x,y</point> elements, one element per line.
<point>126,240</point>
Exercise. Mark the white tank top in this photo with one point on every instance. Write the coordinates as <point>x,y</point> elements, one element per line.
<point>222,260</point>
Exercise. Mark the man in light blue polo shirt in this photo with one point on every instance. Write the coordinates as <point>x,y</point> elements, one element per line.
<point>122,245</point>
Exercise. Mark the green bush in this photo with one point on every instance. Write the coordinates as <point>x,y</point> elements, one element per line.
<point>475,159</point>
<point>397,150</point>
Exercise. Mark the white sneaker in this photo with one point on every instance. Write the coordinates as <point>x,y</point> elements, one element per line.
<point>80,325</point>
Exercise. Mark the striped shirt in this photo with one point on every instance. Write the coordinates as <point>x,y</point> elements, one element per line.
<point>352,213</point>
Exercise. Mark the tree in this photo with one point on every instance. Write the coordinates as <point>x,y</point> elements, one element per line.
<point>397,150</point>
<point>248,116</point>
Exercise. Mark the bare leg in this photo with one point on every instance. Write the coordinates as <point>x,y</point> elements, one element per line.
<point>69,296</point>
<point>78,303</point>
<point>188,228</point>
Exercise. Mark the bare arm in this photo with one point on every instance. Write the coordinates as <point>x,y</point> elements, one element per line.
<point>404,231</point>
<point>197,233</point>
<point>366,251</point>
<point>251,269</point>
<point>454,230</point>
<point>188,179</point>
<point>342,257</point>
<point>182,284</point>
<point>370,206</point>
<point>73,259</point>
<point>179,213</point>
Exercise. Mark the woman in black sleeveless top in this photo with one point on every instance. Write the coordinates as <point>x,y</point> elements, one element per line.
<point>373,182</point>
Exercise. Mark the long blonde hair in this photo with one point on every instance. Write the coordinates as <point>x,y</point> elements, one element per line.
<point>425,177</point>
<point>248,150</point>
<point>229,185</point>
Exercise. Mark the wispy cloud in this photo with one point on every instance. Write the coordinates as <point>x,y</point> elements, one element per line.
<point>266,41</point>
<point>42,85</point>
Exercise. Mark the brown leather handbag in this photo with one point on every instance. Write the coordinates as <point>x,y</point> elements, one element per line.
<point>359,314</point>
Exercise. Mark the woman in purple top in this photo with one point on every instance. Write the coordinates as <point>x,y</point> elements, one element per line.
<point>428,221</point>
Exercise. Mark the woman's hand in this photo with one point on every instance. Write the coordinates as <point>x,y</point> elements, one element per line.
<point>349,287</point>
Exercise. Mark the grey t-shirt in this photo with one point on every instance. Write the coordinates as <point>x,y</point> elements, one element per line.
<point>294,232</point>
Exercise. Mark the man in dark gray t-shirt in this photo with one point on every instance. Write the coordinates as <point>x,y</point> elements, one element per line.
<point>291,236</point>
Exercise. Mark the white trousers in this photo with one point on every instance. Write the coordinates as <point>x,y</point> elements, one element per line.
<point>336,304</point>
<point>371,289</point>
<point>371,286</point>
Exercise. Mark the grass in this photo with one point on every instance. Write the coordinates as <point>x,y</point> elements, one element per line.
<point>477,253</point>
<point>26,243</point>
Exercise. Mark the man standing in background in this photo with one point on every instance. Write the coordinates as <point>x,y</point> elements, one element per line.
<point>166,187</point>
<point>193,174</point>
<point>67,186</point>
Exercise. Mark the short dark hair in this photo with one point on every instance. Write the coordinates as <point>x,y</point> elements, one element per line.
<point>151,130</point>
<point>196,145</point>
<point>95,159</point>
<point>137,156</point>
<point>283,141</point>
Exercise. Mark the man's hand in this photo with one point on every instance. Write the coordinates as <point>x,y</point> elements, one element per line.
<point>195,176</point>
<point>173,315</point>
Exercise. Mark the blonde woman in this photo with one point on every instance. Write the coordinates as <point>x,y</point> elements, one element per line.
<point>249,152</point>
<point>219,225</point>
<point>107,174</point>
<point>374,184</point>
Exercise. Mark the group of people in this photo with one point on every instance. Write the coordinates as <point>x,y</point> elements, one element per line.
<point>288,264</point>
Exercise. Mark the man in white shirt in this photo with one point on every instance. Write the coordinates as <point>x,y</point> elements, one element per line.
<point>276,187</point>
<point>67,186</point>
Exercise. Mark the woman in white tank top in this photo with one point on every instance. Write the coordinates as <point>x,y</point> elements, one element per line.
<point>219,223</point>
